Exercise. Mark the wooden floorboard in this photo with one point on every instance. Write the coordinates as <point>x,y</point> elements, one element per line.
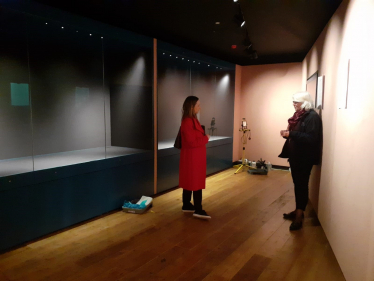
<point>246,239</point>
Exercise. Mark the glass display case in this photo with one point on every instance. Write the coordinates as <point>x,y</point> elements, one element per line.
<point>76,119</point>
<point>71,94</point>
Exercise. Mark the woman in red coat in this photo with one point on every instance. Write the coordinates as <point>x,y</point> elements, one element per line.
<point>192,165</point>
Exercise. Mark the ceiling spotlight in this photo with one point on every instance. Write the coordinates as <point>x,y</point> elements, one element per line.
<point>242,24</point>
<point>102,37</point>
<point>182,58</point>
<point>216,66</point>
<point>163,53</point>
<point>46,23</point>
<point>193,61</point>
<point>198,63</point>
<point>188,60</point>
<point>217,22</point>
<point>170,55</point>
<point>176,57</point>
<point>62,27</point>
<point>90,34</point>
<point>236,0</point>
<point>76,31</point>
<point>208,64</point>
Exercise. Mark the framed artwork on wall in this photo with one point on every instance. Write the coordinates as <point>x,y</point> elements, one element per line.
<point>320,92</point>
<point>311,86</point>
<point>343,96</point>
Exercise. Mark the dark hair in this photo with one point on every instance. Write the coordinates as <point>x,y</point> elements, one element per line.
<point>188,107</point>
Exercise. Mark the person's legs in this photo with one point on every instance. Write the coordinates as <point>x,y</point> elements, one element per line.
<point>197,199</point>
<point>186,197</point>
<point>300,171</point>
<point>300,174</point>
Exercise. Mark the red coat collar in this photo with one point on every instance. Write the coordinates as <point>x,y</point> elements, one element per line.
<point>198,125</point>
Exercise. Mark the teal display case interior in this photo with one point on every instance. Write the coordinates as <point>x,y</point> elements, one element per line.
<point>76,109</point>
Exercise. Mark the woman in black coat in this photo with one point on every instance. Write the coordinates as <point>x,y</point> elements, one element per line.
<point>303,149</point>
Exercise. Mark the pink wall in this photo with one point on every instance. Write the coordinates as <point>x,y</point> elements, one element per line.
<point>342,187</point>
<point>346,193</point>
<point>266,103</point>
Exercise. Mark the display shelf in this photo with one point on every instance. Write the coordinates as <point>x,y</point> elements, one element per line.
<point>41,162</point>
<point>219,157</point>
<point>170,143</point>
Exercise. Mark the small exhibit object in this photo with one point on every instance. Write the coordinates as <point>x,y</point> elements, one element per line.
<point>140,207</point>
<point>213,127</point>
<point>262,171</point>
<point>262,168</point>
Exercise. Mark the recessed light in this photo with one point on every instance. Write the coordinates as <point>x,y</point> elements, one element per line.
<point>176,57</point>
<point>217,22</point>
<point>62,27</point>
<point>163,53</point>
<point>208,64</point>
<point>46,23</point>
<point>90,34</point>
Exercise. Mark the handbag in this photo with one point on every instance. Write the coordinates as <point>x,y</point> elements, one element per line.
<point>178,140</point>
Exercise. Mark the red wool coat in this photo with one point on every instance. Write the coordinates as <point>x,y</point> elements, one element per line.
<point>192,165</point>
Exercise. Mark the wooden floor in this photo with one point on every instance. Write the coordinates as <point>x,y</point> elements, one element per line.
<point>246,239</point>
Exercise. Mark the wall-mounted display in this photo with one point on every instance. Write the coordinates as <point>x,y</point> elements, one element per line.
<point>311,87</point>
<point>320,92</point>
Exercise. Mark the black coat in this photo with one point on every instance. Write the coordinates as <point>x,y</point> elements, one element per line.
<point>305,141</point>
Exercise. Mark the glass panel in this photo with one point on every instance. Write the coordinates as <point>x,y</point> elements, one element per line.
<point>15,110</point>
<point>224,103</point>
<point>128,84</point>
<point>67,94</point>
<point>174,85</point>
<point>203,85</point>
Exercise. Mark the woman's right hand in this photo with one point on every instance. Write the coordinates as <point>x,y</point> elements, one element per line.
<point>208,136</point>
<point>285,133</point>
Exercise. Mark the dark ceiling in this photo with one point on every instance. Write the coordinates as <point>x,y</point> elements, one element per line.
<point>279,31</point>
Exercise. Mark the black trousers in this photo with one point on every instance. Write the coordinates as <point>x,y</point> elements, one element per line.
<point>197,198</point>
<point>300,171</point>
